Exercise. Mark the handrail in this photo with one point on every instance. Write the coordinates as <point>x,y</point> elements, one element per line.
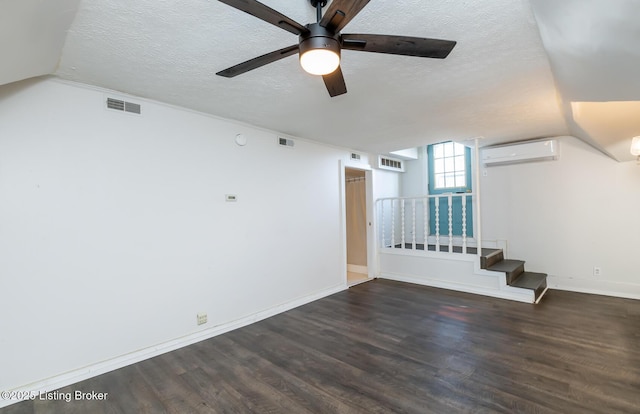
<point>392,212</point>
<point>442,195</point>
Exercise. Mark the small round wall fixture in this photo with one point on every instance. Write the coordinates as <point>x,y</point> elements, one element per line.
<point>241,140</point>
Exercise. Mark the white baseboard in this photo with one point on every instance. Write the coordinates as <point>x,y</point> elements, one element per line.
<point>72,377</point>
<point>496,293</point>
<point>595,287</point>
<point>357,269</point>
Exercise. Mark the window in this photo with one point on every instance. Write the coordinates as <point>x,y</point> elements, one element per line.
<point>449,166</point>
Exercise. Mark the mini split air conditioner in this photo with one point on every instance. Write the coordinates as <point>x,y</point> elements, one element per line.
<point>527,151</point>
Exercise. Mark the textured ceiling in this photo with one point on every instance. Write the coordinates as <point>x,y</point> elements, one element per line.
<point>517,72</point>
<point>496,83</point>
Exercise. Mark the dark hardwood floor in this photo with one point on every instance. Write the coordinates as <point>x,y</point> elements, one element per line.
<point>388,347</point>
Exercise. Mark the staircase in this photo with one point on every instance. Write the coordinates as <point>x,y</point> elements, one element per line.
<point>494,261</point>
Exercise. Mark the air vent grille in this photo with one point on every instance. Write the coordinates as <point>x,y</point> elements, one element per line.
<point>120,105</point>
<point>132,107</point>
<point>285,142</point>
<point>386,163</point>
<point>116,104</point>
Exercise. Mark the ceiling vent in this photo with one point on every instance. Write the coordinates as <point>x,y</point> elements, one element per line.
<point>285,142</point>
<point>392,164</point>
<point>120,105</point>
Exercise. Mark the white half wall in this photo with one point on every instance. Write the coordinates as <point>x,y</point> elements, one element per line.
<point>115,233</point>
<point>568,216</point>
<point>454,271</point>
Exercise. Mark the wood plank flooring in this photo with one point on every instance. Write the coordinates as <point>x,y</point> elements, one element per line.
<point>389,347</point>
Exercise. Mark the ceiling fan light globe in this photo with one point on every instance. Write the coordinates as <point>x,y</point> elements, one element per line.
<point>319,61</point>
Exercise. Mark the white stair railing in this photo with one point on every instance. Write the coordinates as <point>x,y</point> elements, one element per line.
<point>424,224</point>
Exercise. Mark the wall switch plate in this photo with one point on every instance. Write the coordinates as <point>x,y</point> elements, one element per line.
<point>202,318</point>
<point>597,271</point>
<point>231,198</point>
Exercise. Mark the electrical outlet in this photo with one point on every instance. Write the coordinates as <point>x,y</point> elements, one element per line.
<point>202,318</point>
<point>597,271</point>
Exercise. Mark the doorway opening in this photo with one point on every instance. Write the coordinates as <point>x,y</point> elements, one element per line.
<point>356,226</point>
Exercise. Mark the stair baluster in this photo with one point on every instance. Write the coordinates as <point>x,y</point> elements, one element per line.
<point>464,225</point>
<point>413,227</point>
<point>437,199</point>
<point>450,211</point>
<point>425,219</point>
<point>402,222</point>
<point>393,223</point>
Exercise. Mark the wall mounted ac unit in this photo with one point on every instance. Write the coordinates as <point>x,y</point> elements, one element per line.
<point>526,151</point>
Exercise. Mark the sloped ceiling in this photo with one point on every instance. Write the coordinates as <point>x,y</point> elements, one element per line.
<point>32,34</point>
<point>594,54</point>
<point>497,83</point>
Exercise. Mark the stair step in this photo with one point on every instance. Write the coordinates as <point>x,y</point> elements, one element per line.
<point>506,266</point>
<point>512,269</point>
<point>534,281</point>
<point>530,280</point>
<point>490,257</point>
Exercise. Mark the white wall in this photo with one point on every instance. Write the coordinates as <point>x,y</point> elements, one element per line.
<point>386,184</point>
<point>115,233</point>
<point>565,217</point>
<point>415,181</point>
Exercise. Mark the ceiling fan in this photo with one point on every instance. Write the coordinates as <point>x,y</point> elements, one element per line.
<point>320,43</point>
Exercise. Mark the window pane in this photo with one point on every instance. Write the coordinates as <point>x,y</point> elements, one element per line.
<point>448,149</point>
<point>439,180</point>
<point>438,166</point>
<point>449,180</point>
<point>461,180</point>
<point>460,163</point>
<point>459,148</point>
<point>438,151</point>
<point>449,165</point>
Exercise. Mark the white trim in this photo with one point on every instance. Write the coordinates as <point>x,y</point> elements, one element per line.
<point>595,287</point>
<point>121,361</point>
<point>371,238</point>
<point>357,269</point>
<point>461,257</point>
<point>477,207</point>
<point>525,297</point>
<point>342,188</point>
<point>541,295</point>
<point>359,282</point>
<point>372,251</point>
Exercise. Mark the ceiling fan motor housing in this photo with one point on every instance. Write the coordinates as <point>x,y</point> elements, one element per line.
<point>319,37</point>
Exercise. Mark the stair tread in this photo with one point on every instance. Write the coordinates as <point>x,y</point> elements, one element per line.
<point>530,280</point>
<point>507,265</point>
<point>487,253</point>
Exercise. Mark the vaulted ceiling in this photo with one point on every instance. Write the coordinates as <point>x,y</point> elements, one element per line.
<point>521,68</point>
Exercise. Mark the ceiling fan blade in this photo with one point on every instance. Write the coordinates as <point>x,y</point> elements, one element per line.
<point>340,12</point>
<point>259,10</point>
<point>398,45</point>
<point>335,83</point>
<point>255,63</point>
